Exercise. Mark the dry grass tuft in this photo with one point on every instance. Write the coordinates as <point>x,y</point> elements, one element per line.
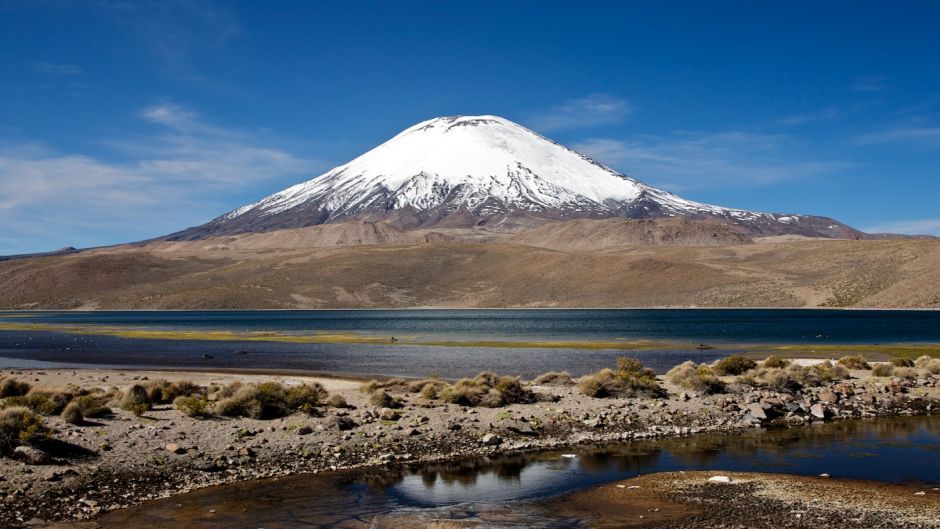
<point>694,377</point>
<point>630,379</point>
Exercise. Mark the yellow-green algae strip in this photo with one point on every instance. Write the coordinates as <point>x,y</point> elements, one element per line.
<point>789,350</point>
<point>325,337</point>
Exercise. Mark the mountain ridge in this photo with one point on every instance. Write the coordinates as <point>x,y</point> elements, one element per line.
<point>476,171</point>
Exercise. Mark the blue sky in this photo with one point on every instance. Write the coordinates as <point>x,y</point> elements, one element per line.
<point>121,120</point>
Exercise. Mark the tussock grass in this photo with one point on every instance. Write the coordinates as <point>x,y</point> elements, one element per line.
<point>733,365</point>
<point>19,425</point>
<point>136,400</point>
<point>795,377</point>
<point>11,387</point>
<point>72,414</point>
<point>882,370</point>
<point>855,362</point>
<point>486,389</point>
<point>194,406</point>
<point>631,379</point>
<point>899,361</point>
<point>44,401</point>
<point>774,361</point>
<point>928,364</point>
<point>269,400</point>
<point>554,378</point>
<point>163,392</point>
<point>696,377</point>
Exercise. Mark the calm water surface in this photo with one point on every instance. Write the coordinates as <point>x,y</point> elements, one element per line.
<point>508,491</point>
<point>683,329</point>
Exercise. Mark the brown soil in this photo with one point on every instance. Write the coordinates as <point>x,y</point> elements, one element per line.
<point>772,501</point>
<point>375,269</point>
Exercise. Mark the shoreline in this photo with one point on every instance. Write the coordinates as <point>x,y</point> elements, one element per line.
<point>131,455</point>
<point>447,308</point>
<point>696,500</point>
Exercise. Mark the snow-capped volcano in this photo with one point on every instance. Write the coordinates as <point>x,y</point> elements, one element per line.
<point>464,171</point>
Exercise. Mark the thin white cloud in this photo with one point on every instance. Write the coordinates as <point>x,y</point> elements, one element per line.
<point>910,134</point>
<point>930,226</point>
<point>49,68</point>
<point>588,111</point>
<point>187,173</point>
<point>809,117</point>
<point>694,160</point>
<point>868,83</point>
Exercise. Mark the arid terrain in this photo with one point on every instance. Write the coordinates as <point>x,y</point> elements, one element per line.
<point>581,263</point>
<point>121,456</point>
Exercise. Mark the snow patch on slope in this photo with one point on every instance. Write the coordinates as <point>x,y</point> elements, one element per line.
<point>480,163</point>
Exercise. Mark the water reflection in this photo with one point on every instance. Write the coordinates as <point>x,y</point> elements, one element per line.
<point>498,490</point>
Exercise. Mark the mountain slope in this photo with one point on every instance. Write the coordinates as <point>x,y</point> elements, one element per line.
<point>467,171</point>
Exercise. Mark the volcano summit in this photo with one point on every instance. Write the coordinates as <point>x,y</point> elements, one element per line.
<point>484,171</point>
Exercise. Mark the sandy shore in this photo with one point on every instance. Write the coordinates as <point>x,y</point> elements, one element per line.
<point>113,462</point>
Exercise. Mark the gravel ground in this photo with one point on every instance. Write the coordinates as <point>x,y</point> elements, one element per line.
<point>123,460</point>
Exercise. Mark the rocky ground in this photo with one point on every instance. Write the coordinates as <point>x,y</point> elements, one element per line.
<point>700,500</point>
<point>121,460</point>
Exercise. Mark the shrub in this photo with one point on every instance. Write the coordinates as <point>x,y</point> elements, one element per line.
<point>694,377</point>
<point>228,390</point>
<point>629,380</point>
<point>11,387</point>
<point>305,397</point>
<point>898,361</point>
<point>882,370</point>
<point>193,406</point>
<point>92,406</point>
<point>601,384</point>
<point>734,365</point>
<point>486,389</point>
<point>163,392</point>
<point>905,372</point>
<point>785,380</point>
<point>828,372</point>
<point>429,388</point>
<point>19,425</point>
<point>268,400</point>
<point>854,362</point>
<point>337,401</point>
<point>554,378</point>
<point>135,400</point>
<point>774,361</point>
<point>72,414</point>
<point>382,399</point>
<point>40,401</point>
<point>928,364</point>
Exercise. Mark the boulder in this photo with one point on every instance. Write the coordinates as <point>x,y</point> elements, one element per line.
<point>828,396</point>
<point>817,410</point>
<point>492,439</point>
<point>757,411</point>
<point>174,448</point>
<point>31,456</point>
<point>388,414</point>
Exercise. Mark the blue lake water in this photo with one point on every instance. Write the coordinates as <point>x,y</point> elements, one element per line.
<point>723,329</point>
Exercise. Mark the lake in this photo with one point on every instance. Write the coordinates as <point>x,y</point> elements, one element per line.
<point>450,343</point>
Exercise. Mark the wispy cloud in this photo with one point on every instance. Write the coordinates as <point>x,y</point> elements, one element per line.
<point>587,111</point>
<point>809,117</point>
<point>868,83</point>
<point>929,226</point>
<point>906,134</point>
<point>49,68</point>
<point>184,174</point>
<point>693,160</point>
<point>174,29</point>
